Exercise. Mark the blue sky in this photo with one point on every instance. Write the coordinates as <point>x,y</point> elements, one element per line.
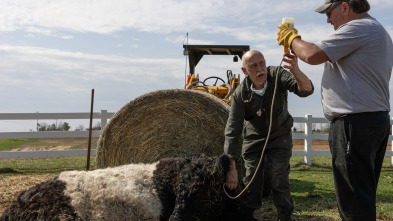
<point>53,52</point>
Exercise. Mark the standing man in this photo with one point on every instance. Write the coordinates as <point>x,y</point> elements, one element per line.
<point>358,61</point>
<point>250,117</point>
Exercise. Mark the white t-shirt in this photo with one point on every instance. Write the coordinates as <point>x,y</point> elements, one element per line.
<point>356,79</point>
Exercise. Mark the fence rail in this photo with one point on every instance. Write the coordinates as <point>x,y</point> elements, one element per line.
<point>308,136</point>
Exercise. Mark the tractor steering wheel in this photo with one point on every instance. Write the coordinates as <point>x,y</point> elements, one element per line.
<point>213,77</point>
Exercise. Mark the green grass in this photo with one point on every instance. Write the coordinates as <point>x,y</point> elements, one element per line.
<point>312,186</point>
<point>41,166</point>
<point>314,195</point>
<point>8,144</point>
<point>74,143</point>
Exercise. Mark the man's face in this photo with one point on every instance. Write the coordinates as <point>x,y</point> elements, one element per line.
<point>334,15</point>
<point>255,68</point>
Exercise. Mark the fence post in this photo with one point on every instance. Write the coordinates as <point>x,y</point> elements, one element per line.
<point>104,119</point>
<point>308,140</point>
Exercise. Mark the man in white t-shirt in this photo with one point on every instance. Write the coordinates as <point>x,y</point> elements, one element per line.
<point>358,60</point>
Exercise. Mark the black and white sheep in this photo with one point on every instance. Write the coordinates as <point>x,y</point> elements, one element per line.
<point>188,188</point>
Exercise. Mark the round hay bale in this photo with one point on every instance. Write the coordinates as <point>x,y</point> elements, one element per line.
<point>164,123</point>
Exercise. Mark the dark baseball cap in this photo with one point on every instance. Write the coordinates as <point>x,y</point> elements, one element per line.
<point>322,9</point>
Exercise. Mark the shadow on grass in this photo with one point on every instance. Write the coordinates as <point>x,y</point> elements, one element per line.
<point>301,186</point>
<point>383,198</point>
<point>315,167</point>
<point>8,171</point>
<point>388,169</point>
<point>311,218</point>
<point>308,198</point>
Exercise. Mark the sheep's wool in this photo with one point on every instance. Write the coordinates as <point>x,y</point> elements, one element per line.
<point>122,193</point>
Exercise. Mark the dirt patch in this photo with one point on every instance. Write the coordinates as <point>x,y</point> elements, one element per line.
<point>58,144</point>
<point>42,148</point>
<point>321,145</point>
<point>316,145</point>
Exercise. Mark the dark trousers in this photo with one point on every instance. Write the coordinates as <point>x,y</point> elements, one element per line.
<point>358,145</point>
<point>278,152</point>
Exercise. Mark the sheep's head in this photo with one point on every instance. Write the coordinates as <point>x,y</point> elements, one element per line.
<point>201,171</point>
<point>199,189</point>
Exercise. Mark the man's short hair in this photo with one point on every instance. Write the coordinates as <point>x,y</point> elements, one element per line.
<point>359,6</point>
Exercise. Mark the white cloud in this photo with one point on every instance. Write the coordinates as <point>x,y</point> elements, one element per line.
<point>314,32</point>
<point>105,17</point>
<point>191,41</point>
<point>102,16</point>
<point>380,3</point>
<point>33,69</point>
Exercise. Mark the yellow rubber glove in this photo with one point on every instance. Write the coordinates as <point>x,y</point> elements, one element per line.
<point>285,36</point>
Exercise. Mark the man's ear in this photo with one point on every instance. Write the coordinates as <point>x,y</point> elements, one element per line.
<point>345,6</point>
<point>244,71</point>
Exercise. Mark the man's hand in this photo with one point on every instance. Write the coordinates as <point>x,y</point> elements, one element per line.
<point>231,181</point>
<point>285,36</point>
<point>292,61</point>
<point>302,80</point>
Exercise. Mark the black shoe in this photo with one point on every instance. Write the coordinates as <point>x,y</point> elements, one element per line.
<point>282,217</point>
<point>251,218</point>
<point>247,214</point>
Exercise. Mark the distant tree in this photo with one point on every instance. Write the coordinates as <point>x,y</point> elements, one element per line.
<point>314,127</point>
<point>53,127</point>
<point>80,128</point>
<point>59,126</point>
<point>43,127</point>
<point>97,126</point>
<point>66,126</point>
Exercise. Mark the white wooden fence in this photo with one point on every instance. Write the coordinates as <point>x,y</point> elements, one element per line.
<point>308,136</point>
<point>103,116</point>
